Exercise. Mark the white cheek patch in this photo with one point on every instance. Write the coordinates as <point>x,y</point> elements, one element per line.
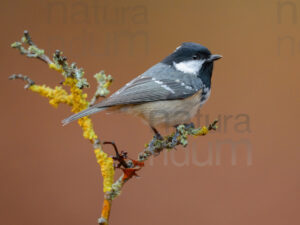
<point>190,66</point>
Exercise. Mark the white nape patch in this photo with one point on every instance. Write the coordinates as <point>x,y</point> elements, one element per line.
<point>163,85</point>
<point>189,66</point>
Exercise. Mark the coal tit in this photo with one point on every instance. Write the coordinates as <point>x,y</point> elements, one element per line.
<point>169,93</point>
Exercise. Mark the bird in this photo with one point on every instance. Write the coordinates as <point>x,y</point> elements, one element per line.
<point>168,94</point>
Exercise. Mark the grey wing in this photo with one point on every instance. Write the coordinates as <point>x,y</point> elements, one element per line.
<point>157,84</point>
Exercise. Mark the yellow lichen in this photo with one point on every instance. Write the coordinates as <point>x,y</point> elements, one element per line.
<point>202,131</point>
<point>107,84</point>
<point>55,96</point>
<point>80,103</point>
<point>107,169</point>
<point>55,67</point>
<point>87,127</point>
<point>77,100</point>
<point>78,97</point>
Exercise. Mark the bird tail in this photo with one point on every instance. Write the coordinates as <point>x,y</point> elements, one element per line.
<point>86,112</point>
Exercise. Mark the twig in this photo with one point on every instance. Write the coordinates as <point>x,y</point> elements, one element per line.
<point>28,38</point>
<point>22,77</point>
<point>104,81</point>
<point>32,51</point>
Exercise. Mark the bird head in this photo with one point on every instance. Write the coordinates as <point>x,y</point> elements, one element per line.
<point>191,58</point>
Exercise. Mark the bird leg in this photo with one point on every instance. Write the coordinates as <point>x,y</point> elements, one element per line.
<point>174,138</point>
<point>157,134</point>
<point>157,137</point>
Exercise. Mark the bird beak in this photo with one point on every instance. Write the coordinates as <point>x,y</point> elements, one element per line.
<point>213,58</point>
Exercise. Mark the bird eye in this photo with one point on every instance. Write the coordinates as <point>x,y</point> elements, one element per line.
<point>196,57</point>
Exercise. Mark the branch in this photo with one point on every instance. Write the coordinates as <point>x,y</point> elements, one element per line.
<point>154,148</point>
<point>77,99</point>
<point>32,51</point>
<point>22,77</point>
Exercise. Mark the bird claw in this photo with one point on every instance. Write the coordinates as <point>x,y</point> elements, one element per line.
<point>159,137</point>
<point>174,139</point>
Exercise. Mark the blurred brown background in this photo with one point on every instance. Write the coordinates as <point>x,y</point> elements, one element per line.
<point>48,172</point>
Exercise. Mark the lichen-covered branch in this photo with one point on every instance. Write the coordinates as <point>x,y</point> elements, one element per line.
<point>104,81</point>
<point>22,77</point>
<point>76,98</point>
<point>32,51</point>
<point>154,148</point>
<point>71,93</point>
